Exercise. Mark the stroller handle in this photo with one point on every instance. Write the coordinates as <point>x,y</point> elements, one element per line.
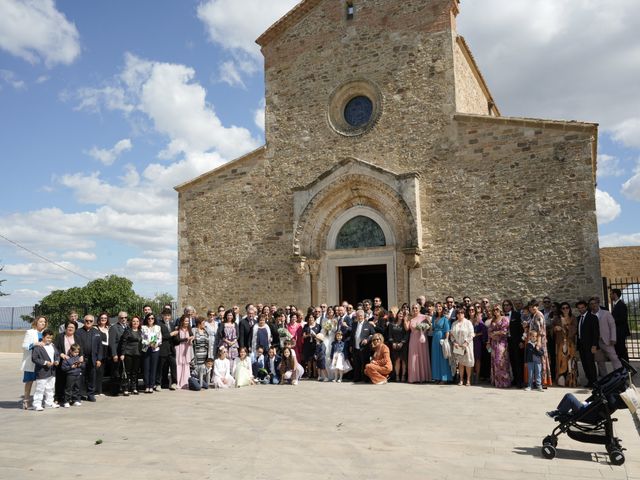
<point>628,366</point>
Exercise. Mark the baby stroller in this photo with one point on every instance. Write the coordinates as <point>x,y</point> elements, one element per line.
<point>593,423</point>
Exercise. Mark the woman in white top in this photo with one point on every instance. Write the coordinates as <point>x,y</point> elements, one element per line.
<point>222,370</point>
<point>32,337</point>
<point>151,340</point>
<point>462,333</point>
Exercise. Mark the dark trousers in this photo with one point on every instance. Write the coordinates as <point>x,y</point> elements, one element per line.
<point>100,377</point>
<point>61,379</point>
<point>166,366</point>
<point>588,364</point>
<point>621,348</point>
<point>88,384</point>
<point>360,359</point>
<point>516,358</point>
<point>132,369</point>
<point>72,388</point>
<point>150,367</point>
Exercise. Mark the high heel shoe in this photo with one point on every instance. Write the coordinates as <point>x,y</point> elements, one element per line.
<point>25,404</point>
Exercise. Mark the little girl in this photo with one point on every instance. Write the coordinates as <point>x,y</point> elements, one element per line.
<point>320,356</point>
<point>339,362</point>
<point>288,367</point>
<point>222,371</point>
<point>299,367</point>
<point>242,369</point>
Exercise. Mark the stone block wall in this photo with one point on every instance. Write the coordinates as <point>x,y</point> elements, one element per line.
<point>620,262</point>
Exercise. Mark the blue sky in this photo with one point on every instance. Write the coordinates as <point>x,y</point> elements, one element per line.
<point>106,105</point>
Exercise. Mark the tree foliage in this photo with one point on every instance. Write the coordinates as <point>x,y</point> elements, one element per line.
<point>110,294</point>
<point>2,294</point>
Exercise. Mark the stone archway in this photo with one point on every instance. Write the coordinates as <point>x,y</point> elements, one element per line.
<point>350,188</point>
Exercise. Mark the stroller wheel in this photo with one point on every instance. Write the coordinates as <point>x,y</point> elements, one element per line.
<point>616,457</point>
<point>548,451</point>
<point>550,440</point>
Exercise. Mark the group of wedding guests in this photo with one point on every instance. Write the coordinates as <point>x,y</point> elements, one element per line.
<point>508,344</point>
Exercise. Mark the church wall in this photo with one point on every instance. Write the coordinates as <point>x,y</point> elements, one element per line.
<point>469,95</point>
<point>513,214</point>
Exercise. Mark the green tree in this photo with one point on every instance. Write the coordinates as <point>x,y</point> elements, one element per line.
<point>110,294</point>
<point>160,300</point>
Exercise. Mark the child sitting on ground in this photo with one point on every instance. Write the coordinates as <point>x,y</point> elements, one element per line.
<point>222,377</point>
<point>72,366</point>
<point>46,358</point>
<point>259,366</point>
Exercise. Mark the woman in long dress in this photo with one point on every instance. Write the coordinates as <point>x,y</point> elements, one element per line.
<point>418,365</point>
<point>329,327</point>
<point>565,332</point>
<point>200,342</point>
<point>242,369</point>
<point>537,323</point>
<point>498,331</point>
<point>398,339</point>
<point>480,339</point>
<point>184,352</point>
<point>440,369</point>
<point>229,335</point>
<point>462,333</point>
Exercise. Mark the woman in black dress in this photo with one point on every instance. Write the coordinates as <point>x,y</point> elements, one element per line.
<point>309,332</point>
<point>398,341</point>
<point>131,348</point>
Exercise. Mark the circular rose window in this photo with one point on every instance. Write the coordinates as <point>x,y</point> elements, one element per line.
<point>354,107</point>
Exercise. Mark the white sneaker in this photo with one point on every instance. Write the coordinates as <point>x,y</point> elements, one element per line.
<point>173,386</point>
<point>327,380</point>
<point>66,405</point>
<point>55,405</point>
<point>540,389</point>
<point>77,403</point>
<point>339,380</point>
<point>295,382</point>
<point>38,408</point>
<point>528,389</point>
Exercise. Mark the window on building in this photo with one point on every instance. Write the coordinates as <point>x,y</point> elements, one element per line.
<point>350,10</point>
<point>360,232</point>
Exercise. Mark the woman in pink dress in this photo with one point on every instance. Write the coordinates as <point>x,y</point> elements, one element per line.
<point>184,352</point>
<point>498,330</point>
<point>419,365</point>
<point>295,330</point>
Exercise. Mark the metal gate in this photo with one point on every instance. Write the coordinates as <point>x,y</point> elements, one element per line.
<point>630,288</point>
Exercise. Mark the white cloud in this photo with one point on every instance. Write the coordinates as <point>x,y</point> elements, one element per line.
<point>235,26</point>
<point>620,239</point>
<point>79,255</point>
<point>42,79</point>
<point>258,116</point>
<point>607,209</point>
<point>609,166</point>
<point>30,272</point>
<point>518,43</point>
<point>631,188</point>
<point>36,31</point>
<point>108,156</point>
<point>131,178</point>
<point>628,132</point>
<point>92,99</point>
<point>10,78</point>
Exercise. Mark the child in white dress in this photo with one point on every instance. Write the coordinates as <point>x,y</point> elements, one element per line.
<point>222,371</point>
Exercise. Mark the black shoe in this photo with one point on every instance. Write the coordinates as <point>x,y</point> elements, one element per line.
<point>91,398</point>
<point>553,414</point>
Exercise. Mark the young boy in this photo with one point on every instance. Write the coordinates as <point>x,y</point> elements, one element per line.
<point>72,365</point>
<point>533,356</point>
<point>46,358</point>
<point>273,366</point>
<point>259,366</point>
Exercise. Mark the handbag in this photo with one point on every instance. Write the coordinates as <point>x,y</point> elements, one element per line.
<point>458,350</point>
<point>446,348</point>
<point>630,397</point>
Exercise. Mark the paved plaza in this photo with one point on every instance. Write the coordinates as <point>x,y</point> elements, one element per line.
<point>313,430</point>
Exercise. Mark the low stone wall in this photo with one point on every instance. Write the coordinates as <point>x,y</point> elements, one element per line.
<point>11,341</point>
<point>620,262</point>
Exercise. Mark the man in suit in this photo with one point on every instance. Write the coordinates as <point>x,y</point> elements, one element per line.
<point>167,356</point>
<point>361,333</point>
<point>621,316</point>
<point>245,331</point>
<point>90,343</point>
<point>115,334</point>
<point>606,344</point>
<point>588,338</point>
<point>516,343</point>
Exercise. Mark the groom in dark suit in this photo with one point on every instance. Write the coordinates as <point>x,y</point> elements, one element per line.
<point>361,333</point>
<point>588,337</point>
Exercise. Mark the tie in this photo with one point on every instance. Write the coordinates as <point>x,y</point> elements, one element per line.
<point>580,326</point>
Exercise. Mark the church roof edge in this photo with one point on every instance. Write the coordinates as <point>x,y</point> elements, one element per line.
<point>224,166</point>
<point>292,16</point>
<point>464,46</point>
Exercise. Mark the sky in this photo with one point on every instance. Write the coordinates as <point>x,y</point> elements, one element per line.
<point>105,106</point>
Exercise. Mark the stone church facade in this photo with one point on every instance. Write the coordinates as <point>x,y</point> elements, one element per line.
<point>389,170</point>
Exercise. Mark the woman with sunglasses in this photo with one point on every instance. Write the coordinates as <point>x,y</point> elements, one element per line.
<point>497,345</point>
<point>565,332</point>
<point>380,367</point>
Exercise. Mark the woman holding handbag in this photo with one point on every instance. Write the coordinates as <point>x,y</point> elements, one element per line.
<point>462,334</point>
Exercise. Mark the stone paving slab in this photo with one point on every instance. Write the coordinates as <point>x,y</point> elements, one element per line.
<point>314,430</point>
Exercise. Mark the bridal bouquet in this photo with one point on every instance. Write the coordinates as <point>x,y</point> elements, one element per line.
<point>328,326</point>
<point>422,328</point>
<point>284,334</point>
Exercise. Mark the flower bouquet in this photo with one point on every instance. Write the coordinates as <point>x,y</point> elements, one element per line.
<point>284,335</point>
<point>422,327</point>
<point>328,326</point>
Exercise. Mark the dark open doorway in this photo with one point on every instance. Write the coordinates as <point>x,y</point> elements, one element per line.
<point>367,281</point>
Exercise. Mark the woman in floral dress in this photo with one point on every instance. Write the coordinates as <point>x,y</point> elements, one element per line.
<point>498,331</point>
<point>565,331</point>
<point>537,323</point>
<point>229,336</point>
